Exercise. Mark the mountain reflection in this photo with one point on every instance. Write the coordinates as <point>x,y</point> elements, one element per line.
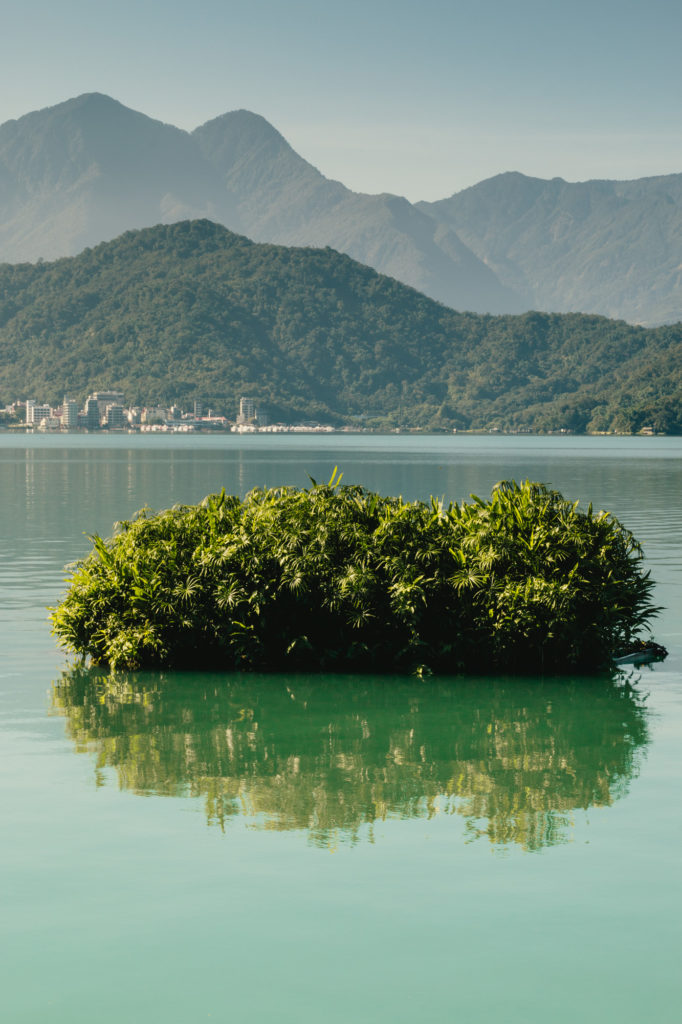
<point>333,754</point>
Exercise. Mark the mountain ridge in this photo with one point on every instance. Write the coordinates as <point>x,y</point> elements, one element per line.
<point>86,170</point>
<point>236,169</point>
<point>611,246</point>
<point>193,310</point>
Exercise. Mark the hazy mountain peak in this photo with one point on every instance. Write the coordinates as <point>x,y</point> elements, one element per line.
<point>243,143</point>
<point>85,170</point>
<point>244,122</point>
<point>603,246</point>
<point>86,100</point>
<point>96,102</point>
<point>87,109</point>
<point>82,171</point>
<point>85,128</point>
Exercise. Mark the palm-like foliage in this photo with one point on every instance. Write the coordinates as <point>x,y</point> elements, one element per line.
<point>337,577</point>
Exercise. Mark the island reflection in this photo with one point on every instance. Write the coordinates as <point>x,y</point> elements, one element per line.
<point>335,755</point>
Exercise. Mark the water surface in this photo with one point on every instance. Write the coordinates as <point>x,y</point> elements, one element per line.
<point>184,847</point>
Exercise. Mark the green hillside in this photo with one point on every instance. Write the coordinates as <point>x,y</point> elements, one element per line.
<point>193,310</point>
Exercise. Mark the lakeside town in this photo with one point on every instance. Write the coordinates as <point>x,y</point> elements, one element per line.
<point>106,410</point>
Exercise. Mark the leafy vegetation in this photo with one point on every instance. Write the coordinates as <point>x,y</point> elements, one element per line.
<point>342,579</point>
<point>190,310</point>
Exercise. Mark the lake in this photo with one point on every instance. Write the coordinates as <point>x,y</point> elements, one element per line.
<point>184,847</point>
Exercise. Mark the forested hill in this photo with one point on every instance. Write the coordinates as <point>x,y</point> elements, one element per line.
<point>191,310</point>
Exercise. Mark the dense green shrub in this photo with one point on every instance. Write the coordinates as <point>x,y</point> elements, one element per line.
<point>337,577</point>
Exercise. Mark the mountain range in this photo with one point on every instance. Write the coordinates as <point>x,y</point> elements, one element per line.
<point>87,170</point>
<point>193,311</point>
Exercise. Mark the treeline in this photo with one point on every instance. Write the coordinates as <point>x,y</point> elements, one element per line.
<point>191,310</point>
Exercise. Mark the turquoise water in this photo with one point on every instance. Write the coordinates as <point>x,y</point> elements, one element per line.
<point>200,847</point>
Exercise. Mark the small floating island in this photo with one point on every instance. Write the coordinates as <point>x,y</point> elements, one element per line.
<point>337,578</point>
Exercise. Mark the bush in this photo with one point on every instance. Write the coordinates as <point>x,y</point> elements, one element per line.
<point>339,578</point>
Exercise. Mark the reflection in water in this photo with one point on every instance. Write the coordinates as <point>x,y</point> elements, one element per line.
<point>333,754</point>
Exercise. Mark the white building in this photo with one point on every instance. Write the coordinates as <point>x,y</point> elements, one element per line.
<point>247,411</point>
<point>69,414</point>
<point>49,423</point>
<point>35,413</point>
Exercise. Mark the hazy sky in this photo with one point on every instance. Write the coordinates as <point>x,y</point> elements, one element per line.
<point>418,98</point>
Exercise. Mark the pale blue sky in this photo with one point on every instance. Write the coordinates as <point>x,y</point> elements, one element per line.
<point>421,99</point>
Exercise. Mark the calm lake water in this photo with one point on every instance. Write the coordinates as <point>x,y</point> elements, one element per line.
<point>180,848</point>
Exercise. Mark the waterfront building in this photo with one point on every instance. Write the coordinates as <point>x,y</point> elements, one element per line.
<point>35,412</point>
<point>105,398</point>
<point>113,416</point>
<point>91,413</point>
<point>247,411</point>
<point>154,414</point>
<point>48,423</point>
<point>69,414</point>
